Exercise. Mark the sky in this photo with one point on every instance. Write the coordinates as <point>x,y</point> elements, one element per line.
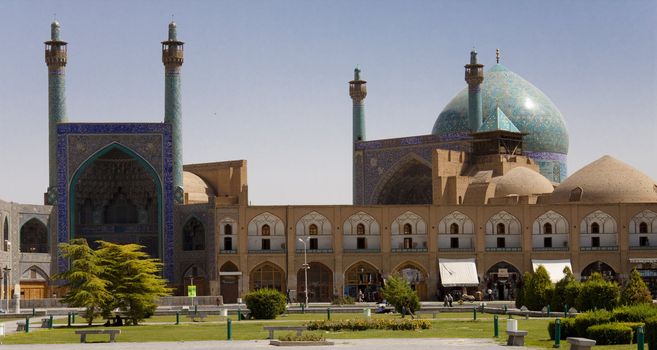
<point>266,81</point>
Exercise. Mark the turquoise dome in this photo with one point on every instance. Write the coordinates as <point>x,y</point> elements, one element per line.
<point>526,106</point>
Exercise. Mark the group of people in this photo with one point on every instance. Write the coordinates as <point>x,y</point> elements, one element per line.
<point>448,300</point>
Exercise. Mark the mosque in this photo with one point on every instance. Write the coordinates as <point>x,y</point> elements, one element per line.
<point>474,204</point>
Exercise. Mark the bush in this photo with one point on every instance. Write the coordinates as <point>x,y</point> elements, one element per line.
<point>265,304</point>
<point>567,328</point>
<point>363,324</point>
<point>398,293</point>
<point>610,333</point>
<point>563,290</point>
<point>538,290</point>
<point>302,337</point>
<point>634,326</point>
<point>651,332</point>
<point>596,293</point>
<point>586,320</point>
<point>636,313</point>
<point>636,291</point>
<point>343,300</point>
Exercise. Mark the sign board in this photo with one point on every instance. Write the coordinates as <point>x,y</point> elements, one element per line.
<point>502,273</point>
<point>191,291</point>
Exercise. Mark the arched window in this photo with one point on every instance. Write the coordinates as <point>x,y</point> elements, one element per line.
<point>360,229</point>
<point>193,235</point>
<point>267,275</point>
<point>501,229</point>
<point>454,228</point>
<point>228,229</point>
<point>266,231</point>
<point>643,227</point>
<point>408,229</point>
<point>34,237</point>
<point>312,229</point>
<point>595,228</point>
<point>547,228</point>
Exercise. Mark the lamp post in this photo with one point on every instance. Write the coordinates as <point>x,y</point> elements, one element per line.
<point>305,269</point>
<point>8,271</point>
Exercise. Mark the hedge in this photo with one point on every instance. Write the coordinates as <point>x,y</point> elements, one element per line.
<point>567,328</point>
<point>362,325</point>
<point>651,333</point>
<point>588,319</point>
<point>636,313</point>
<point>610,333</point>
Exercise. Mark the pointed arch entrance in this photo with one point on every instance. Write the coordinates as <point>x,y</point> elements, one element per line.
<point>320,283</point>
<point>409,182</point>
<point>195,276</point>
<point>600,267</point>
<point>365,278</point>
<point>34,283</point>
<point>229,279</point>
<point>502,279</point>
<point>416,276</point>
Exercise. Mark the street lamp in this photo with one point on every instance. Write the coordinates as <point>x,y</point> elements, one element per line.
<point>8,272</point>
<point>305,269</point>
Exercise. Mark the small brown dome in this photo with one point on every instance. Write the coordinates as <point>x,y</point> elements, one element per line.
<point>196,189</point>
<point>521,181</point>
<point>606,180</point>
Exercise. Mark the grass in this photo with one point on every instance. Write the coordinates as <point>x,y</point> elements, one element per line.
<point>446,325</point>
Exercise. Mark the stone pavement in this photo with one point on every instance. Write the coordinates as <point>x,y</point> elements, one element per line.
<point>360,344</point>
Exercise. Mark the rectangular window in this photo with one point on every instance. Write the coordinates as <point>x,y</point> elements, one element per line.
<point>595,241</point>
<point>314,244</point>
<point>228,243</point>
<point>266,244</point>
<point>501,243</point>
<point>547,242</point>
<point>408,243</point>
<point>454,242</point>
<point>361,243</point>
<point>643,241</point>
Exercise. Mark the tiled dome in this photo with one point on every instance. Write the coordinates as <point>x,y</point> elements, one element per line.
<point>526,106</point>
<point>196,189</point>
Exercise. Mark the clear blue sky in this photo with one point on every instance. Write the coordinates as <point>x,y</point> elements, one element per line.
<point>266,81</point>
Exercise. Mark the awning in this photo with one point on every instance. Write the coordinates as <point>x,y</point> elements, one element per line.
<point>458,272</point>
<point>553,267</point>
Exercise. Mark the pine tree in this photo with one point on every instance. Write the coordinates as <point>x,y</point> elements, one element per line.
<point>636,291</point>
<point>134,279</point>
<point>86,288</point>
<point>565,291</point>
<point>399,293</point>
<point>539,289</point>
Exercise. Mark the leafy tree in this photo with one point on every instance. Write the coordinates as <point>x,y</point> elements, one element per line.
<point>398,293</point>
<point>85,286</point>
<point>538,290</point>
<point>520,294</point>
<point>133,279</point>
<point>636,291</point>
<point>265,303</point>
<point>565,291</point>
<point>596,293</point>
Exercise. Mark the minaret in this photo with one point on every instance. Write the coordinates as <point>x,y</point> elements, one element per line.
<point>172,57</point>
<point>474,76</point>
<point>358,92</point>
<point>56,60</point>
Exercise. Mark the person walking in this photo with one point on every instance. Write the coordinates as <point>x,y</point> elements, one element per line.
<point>450,299</point>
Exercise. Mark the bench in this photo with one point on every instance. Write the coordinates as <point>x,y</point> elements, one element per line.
<point>112,333</point>
<point>45,322</point>
<point>516,338</point>
<point>271,329</point>
<point>20,326</point>
<point>199,315</point>
<point>580,343</point>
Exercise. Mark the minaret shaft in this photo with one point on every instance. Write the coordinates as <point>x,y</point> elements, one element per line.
<point>172,57</point>
<point>474,76</point>
<point>358,92</point>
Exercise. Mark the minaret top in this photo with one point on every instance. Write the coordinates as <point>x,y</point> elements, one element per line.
<point>357,87</point>
<point>497,55</point>
<point>473,57</point>
<point>356,73</point>
<point>172,49</point>
<point>474,71</point>
<point>172,31</point>
<point>55,48</point>
<point>54,31</point>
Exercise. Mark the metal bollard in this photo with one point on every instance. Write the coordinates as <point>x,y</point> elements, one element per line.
<point>69,319</point>
<point>474,313</point>
<point>33,312</point>
<point>50,322</point>
<point>549,309</point>
<point>639,338</point>
<point>303,308</point>
<point>557,333</point>
<point>496,327</point>
<point>239,314</point>
<point>565,310</point>
<point>195,309</point>
<point>229,329</point>
<point>328,313</point>
<point>177,317</point>
<point>73,317</point>
<point>27,325</point>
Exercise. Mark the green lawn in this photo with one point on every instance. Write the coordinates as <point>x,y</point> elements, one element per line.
<point>446,325</point>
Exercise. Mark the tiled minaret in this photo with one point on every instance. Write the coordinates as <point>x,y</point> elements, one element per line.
<point>474,76</point>
<point>56,60</point>
<point>172,57</point>
<point>358,92</point>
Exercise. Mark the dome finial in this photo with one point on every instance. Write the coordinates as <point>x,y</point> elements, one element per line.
<point>497,55</point>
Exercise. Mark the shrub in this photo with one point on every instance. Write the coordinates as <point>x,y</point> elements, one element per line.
<point>634,326</point>
<point>636,291</point>
<point>302,337</point>
<point>565,291</point>
<point>538,290</point>
<point>567,328</point>
<point>343,300</point>
<point>265,304</point>
<point>398,293</point>
<point>610,333</point>
<point>635,313</point>
<point>588,319</point>
<point>363,324</point>
<point>651,332</point>
<point>596,293</point>
<point>520,295</point>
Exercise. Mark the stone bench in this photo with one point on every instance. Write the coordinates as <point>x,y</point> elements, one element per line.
<point>199,315</point>
<point>516,338</point>
<point>580,343</point>
<point>271,329</point>
<point>20,326</point>
<point>84,332</point>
